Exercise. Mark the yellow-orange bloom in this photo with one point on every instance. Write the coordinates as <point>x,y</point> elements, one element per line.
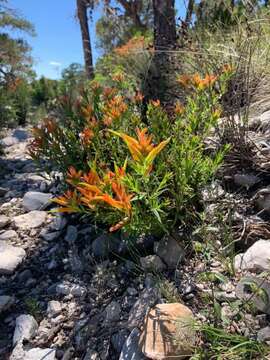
<point>87,112</point>
<point>121,201</point>
<point>143,148</point>
<point>108,92</point>
<point>136,44</point>
<point>184,80</point>
<point>227,68</point>
<point>203,83</point>
<point>73,176</point>
<point>197,81</point>
<point>179,108</point>
<point>138,97</point>
<point>155,103</point>
<point>119,77</point>
<point>69,202</point>
<point>86,136</point>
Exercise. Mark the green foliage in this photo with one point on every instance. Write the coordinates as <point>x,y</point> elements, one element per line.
<point>119,24</point>
<point>44,91</point>
<point>15,67</point>
<point>143,174</point>
<point>223,345</point>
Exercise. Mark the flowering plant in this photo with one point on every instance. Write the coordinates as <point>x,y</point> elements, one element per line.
<point>153,186</point>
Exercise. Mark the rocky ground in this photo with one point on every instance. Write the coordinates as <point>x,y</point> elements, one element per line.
<point>70,291</point>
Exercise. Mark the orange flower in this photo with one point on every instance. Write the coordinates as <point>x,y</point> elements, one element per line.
<point>121,201</point>
<point>86,135</point>
<point>203,83</point>
<point>107,120</point>
<point>73,176</point>
<point>184,80</point>
<point>114,109</point>
<point>87,111</point>
<point>142,149</point>
<point>119,77</point>
<point>95,86</point>
<point>108,92</point>
<point>93,123</point>
<point>92,178</point>
<point>155,103</point>
<point>138,97</point>
<point>136,44</point>
<point>179,108</point>
<point>69,202</point>
<point>120,224</point>
<point>227,68</point>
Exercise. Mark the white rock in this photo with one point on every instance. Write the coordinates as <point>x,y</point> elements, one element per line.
<point>54,308</point>
<point>34,200</point>
<point>73,289</point>
<point>257,257</point>
<point>5,302</point>
<point>32,220</point>
<point>8,235</point>
<point>9,141</point>
<point>33,354</point>
<point>10,257</point>
<point>40,354</point>
<point>26,327</point>
<point>262,199</point>
<point>4,220</point>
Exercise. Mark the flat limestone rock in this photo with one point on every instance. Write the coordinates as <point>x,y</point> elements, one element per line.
<point>10,258</point>
<point>34,200</point>
<point>31,220</point>
<point>26,327</point>
<point>167,332</point>
<point>257,257</point>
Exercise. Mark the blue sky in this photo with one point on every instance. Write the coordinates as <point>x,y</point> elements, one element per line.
<point>58,41</point>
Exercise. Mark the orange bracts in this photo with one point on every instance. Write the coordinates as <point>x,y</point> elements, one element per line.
<point>113,110</point>
<point>184,80</point>
<point>91,178</point>
<point>179,108</point>
<point>69,202</point>
<point>108,92</point>
<point>142,149</point>
<point>73,176</point>
<point>94,191</point>
<point>121,201</point>
<point>155,103</point>
<point>138,97</point>
<point>136,44</point>
<point>119,77</point>
<point>202,83</point>
<point>87,112</point>
<point>227,68</point>
<point>197,81</point>
<point>86,136</point>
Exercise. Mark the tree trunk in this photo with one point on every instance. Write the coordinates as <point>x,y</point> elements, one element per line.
<point>164,24</point>
<point>162,76</point>
<point>132,9</point>
<point>189,13</point>
<point>87,50</point>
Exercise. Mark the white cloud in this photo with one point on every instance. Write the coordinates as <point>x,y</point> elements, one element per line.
<point>55,63</point>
